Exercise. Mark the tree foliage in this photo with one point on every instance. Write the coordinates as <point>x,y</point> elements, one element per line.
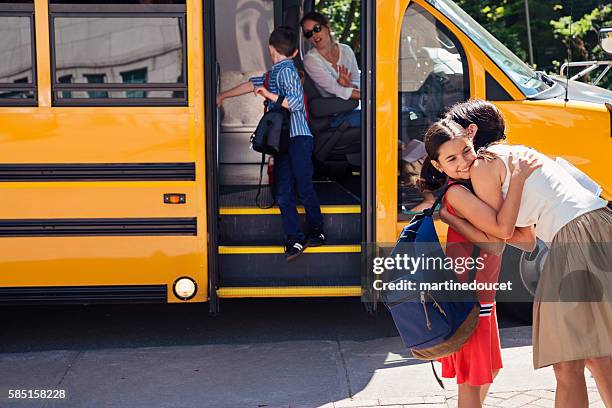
<point>344,18</point>
<point>503,19</point>
<point>582,35</point>
<point>506,20</point>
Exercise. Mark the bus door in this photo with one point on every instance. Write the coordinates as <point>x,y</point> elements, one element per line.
<point>421,70</point>
<point>250,239</point>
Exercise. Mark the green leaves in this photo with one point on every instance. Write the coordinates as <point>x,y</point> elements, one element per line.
<point>582,35</point>
<point>344,19</point>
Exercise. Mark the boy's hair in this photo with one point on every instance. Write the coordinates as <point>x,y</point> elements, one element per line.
<point>284,40</point>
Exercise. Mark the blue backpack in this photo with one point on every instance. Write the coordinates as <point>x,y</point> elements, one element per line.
<point>431,324</point>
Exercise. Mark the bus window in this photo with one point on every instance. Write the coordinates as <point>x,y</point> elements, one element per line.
<point>117,2</point>
<point>17,73</point>
<point>433,75</point>
<point>134,56</point>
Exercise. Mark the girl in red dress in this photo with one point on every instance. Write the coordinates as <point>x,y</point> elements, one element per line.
<point>451,155</point>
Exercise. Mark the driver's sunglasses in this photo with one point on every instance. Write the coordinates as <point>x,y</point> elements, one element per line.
<point>316,29</point>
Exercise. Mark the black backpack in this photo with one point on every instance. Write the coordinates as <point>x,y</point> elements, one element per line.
<point>271,136</point>
<point>272,133</point>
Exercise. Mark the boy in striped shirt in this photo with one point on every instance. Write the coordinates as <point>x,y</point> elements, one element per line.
<point>294,167</point>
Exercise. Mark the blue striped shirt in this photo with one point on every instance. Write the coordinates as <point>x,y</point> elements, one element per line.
<point>285,81</point>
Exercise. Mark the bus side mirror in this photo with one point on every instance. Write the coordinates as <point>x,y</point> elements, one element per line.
<point>605,39</point>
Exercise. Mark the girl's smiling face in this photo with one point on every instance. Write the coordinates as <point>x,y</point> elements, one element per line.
<point>455,157</point>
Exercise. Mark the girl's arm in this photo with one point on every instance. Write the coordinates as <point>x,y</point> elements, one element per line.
<point>482,216</point>
<point>243,88</point>
<point>524,238</point>
<point>484,241</point>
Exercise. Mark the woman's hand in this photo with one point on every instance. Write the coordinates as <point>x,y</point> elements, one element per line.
<point>344,76</point>
<point>521,167</point>
<point>445,216</point>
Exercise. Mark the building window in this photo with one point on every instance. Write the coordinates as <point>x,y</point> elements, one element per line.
<point>96,79</point>
<point>132,54</point>
<point>138,76</point>
<point>66,79</point>
<point>433,75</point>
<point>17,51</point>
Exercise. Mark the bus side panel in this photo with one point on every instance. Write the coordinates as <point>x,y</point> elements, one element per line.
<point>127,199</point>
<point>85,189</point>
<point>49,138</point>
<point>576,131</point>
<point>96,135</point>
<point>99,261</point>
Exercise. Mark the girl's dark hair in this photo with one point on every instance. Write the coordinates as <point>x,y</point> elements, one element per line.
<point>438,133</point>
<point>485,115</point>
<point>431,178</point>
<point>316,17</point>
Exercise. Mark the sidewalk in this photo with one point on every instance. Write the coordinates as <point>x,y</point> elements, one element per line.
<point>517,385</point>
<point>298,374</point>
<point>530,398</point>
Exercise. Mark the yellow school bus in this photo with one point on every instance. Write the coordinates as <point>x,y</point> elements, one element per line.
<point>122,182</point>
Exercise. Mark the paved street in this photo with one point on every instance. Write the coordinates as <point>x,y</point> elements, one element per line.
<point>256,353</point>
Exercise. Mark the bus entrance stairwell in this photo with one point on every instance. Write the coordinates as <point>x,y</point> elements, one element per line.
<point>250,259</point>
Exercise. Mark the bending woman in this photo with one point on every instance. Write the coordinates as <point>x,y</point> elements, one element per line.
<point>572,314</point>
<point>332,66</point>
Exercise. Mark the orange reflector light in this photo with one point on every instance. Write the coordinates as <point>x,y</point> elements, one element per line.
<point>174,198</point>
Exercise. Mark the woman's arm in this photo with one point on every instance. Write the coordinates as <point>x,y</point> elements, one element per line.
<point>524,238</point>
<point>498,223</point>
<point>320,76</point>
<point>484,241</point>
<point>353,68</point>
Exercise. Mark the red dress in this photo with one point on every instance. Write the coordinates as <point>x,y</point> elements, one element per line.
<point>475,362</point>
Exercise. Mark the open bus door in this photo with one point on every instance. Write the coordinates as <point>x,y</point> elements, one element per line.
<point>247,240</point>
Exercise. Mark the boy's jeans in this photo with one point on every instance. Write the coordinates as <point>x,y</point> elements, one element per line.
<point>294,172</point>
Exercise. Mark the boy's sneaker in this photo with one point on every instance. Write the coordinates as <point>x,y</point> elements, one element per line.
<point>293,250</point>
<point>316,238</point>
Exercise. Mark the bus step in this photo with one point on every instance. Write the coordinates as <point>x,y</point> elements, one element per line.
<point>288,291</point>
<point>255,226</point>
<point>265,266</point>
<point>328,192</point>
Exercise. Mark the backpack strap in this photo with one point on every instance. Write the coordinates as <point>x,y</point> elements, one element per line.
<point>266,85</point>
<point>430,211</point>
<point>433,368</point>
<point>261,166</point>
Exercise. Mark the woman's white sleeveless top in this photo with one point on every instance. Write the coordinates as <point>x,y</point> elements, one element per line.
<point>551,196</point>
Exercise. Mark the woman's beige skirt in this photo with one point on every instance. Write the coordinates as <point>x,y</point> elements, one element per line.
<point>572,313</point>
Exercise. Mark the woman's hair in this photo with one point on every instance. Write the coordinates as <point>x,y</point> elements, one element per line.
<point>438,133</point>
<point>485,115</point>
<point>316,17</point>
